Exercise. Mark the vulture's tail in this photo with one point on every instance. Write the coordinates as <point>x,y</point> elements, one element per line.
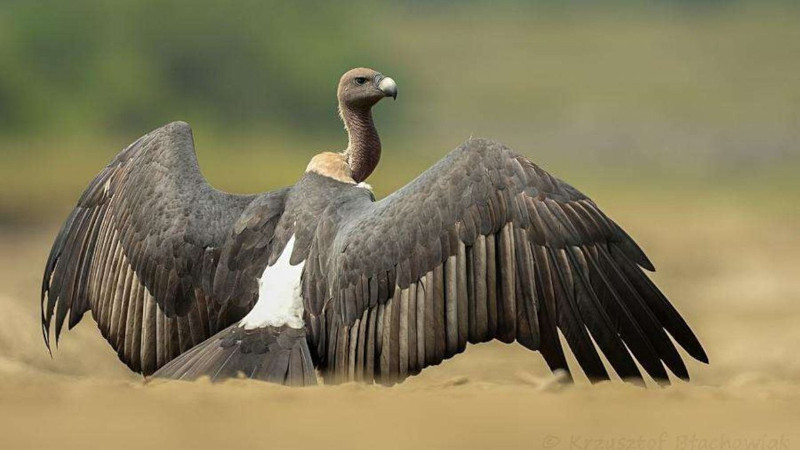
<point>279,355</point>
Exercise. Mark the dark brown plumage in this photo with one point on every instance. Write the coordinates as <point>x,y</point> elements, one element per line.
<point>484,245</point>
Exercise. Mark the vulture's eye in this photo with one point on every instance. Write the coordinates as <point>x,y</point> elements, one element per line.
<point>360,80</point>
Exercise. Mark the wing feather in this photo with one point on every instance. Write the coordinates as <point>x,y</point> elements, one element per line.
<point>494,247</point>
<point>141,247</point>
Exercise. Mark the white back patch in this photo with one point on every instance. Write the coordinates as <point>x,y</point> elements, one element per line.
<point>280,300</point>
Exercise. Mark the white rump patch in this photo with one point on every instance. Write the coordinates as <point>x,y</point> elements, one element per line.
<point>364,185</point>
<point>280,300</point>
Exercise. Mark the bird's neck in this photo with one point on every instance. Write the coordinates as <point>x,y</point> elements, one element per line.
<point>364,146</point>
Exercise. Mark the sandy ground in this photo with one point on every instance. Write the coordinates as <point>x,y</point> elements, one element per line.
<point>731,269</point>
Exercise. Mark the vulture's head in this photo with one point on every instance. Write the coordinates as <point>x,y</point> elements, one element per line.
<point>362,88</point>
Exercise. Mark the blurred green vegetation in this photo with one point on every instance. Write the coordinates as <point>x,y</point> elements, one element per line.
<point>678,96</point>
<point>128,65</point>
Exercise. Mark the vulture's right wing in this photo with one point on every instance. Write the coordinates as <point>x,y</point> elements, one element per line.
<point>141,250</point>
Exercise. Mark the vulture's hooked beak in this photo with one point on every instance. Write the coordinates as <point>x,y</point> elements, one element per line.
<point>388,87</point>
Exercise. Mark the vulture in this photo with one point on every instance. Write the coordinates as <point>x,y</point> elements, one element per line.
<point>320,281</point>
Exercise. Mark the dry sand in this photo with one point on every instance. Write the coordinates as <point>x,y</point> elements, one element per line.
<point>730,270</point>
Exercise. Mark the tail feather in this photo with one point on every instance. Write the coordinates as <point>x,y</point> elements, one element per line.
<point>278,355</point>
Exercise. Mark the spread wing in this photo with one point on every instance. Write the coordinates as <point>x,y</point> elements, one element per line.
<point>486,245</point>
<point>141,249</point>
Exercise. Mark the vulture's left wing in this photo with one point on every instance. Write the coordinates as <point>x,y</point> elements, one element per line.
<point>141,248</point>
<point>486,245</point>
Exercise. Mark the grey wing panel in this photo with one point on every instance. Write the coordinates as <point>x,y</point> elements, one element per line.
<point>487,245</point>
<point>140,250</point>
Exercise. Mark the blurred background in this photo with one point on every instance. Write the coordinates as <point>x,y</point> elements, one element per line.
<point>681,118</point>
<point>680,90</point>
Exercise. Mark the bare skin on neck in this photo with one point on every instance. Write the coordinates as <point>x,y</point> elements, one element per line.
<point>359,90</point>
<point>364,145</point>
